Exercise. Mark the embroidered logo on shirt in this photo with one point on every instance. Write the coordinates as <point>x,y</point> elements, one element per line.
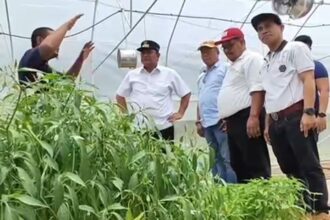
<point>282,68</point>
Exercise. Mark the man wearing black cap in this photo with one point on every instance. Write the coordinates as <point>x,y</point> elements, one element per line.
<point>322,87</point>
<point>151,88</point>
<point>288,79</point>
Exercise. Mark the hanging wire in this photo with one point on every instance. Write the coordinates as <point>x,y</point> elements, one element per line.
<point>169,15</point>
<point>306,20</point>
<point>251,10</point>
<point>9,29</point>
<point>118,44</point>
<point>7,47</point>
<point>322,58</point>
<point>219,19</point>
<point>172,34</point>
<point>80,32</point>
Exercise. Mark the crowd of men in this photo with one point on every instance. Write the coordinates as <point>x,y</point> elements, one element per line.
<point>280,99</point>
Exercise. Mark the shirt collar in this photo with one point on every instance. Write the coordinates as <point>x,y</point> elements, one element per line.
<point>280,48</point>
<point>241,57</point>
<point>157,69</point>
<point>205,69</point>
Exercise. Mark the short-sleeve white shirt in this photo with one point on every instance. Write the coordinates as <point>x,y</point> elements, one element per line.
<point>242,78</point>
<point>280,75</point>
<point>152,92</point>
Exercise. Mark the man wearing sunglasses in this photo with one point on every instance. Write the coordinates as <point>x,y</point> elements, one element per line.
<point>240,104</point>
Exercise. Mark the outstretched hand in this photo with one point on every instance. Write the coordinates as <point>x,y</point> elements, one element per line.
<point>73,21</point>
<point>87,49</point>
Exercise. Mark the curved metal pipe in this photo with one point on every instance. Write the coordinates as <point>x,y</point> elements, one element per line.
<point>170,40</point>
<point>94,19</point>
<point>247,16</point>
<point>9,29</point>
<point>130,31</point>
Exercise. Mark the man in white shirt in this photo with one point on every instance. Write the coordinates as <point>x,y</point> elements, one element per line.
<point>208,124</point>
<point>151,88</point>
<point>288,79</point>
<point>240,104</point>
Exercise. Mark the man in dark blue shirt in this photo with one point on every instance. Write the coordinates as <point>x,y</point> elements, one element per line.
<point>322,86</point>
<point>45,46</point>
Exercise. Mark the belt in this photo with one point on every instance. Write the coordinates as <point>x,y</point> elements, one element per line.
<point>295,108</point>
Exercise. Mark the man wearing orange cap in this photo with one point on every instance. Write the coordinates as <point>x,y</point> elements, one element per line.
<point>240,102</point>
<point>208,124</point>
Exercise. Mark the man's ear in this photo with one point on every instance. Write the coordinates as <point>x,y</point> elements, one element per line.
<point>282,27</point>
<point>39,40</point>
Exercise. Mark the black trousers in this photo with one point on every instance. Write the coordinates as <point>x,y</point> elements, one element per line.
<point>249,157</point>
<point>166,134</point>
<point>298,157</point>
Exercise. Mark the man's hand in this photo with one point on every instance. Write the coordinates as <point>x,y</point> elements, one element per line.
<point>266,135</point>
<point>73,21</point>
<point>307,122</point>
<point>87,49</point>
<point>174,117</point>
<point>200,129</point>
<point>223,126</point>
<point>253,127</point>
<point>321,124</point>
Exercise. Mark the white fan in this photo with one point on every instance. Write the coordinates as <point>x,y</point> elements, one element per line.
<point>294,8</point>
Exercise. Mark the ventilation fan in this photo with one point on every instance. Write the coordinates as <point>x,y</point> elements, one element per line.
<point>294,8</point>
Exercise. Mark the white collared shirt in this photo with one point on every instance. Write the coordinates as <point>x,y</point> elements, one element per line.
<point>152,92</point>
<point>280,74</point>
<point>242,78</point>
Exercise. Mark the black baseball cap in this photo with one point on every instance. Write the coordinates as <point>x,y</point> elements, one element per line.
<point>149,44</point>
<point>256,20</point>
<point>305,39</point>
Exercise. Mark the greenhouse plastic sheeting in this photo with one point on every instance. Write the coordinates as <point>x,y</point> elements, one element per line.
<point>200,20</point>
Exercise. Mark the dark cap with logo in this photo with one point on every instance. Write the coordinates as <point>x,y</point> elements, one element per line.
<point>256,20</point>
<point>149,44</point>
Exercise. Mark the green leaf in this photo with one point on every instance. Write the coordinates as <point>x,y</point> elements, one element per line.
<point>28,200</point>
<point>129,215</point>
<point>138,156</point>
<point>75,178</point>
<point>171,198</point>
<point>51,163</point>
<point>27,182</point>
<point>118,183</point>
<point>88,209</point>
<point>3,174</point>
<point>58,194</point>
<point>116,206</point>
<point>134,181</point>
<point>43,144</point>
<point>47,147</point>
<point>9,215</point>
<point>63,212</point>
<point>140,217</point>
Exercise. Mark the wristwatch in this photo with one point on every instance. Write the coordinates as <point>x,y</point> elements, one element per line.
<point>309,111</point>
<point>322,115</point>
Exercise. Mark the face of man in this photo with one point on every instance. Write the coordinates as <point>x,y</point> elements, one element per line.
<point>270,33</point>
<point>233,48</point>
<point>209,55</point>
<point>149,58</point>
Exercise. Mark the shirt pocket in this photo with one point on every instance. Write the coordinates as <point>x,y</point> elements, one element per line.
<point>160,89</point>
<point>139,87</point>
